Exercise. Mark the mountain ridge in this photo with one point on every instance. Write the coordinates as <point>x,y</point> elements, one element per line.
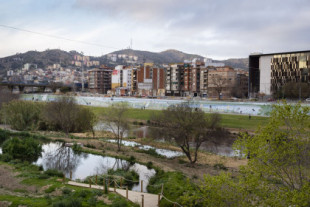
<point>51,56</point>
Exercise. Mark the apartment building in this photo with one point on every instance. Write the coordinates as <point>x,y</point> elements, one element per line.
<point>269,72</point>
<point>99,80</point>
<point>121,80</point>
<point>175,80</point>
<point>221,82</point>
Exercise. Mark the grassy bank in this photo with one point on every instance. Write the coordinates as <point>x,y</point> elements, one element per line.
<point>228,120</point>
<point>26,184</point>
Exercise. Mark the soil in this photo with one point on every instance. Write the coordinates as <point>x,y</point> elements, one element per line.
<point>9,181</point>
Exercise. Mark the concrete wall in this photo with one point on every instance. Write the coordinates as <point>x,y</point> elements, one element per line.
<point>265,74</point>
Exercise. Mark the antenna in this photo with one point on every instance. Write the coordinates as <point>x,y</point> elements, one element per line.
<point>130,47</point>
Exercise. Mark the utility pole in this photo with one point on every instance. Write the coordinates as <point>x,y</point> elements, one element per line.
<point>82,72</point>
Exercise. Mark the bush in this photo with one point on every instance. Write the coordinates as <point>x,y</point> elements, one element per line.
<point>23,149</point>
<point>220,166</point>
<point>66,191</point>
<point>50,189</point>
<point>53,172</point>
<point>22,115</point>
<point>67,116</point>
<point>119,203</point>
<point>132,160</point>
<point>149,165</point>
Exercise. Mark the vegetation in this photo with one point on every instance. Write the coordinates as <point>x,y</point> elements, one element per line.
<point>115,119</point>
<point>22,149</point>
<point>67,116</point>
<point>124,177</point>
<point>21,115</point>
<point>50,192</point>
<point>227,120</point>
<point>174,185</point>
<point>6,95</point>
<point>189,127</point>
<point>278,170</point>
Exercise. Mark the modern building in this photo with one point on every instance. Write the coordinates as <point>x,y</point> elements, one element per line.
<point>269,72</point>
<point>121,80</point>
<point>99,80</point>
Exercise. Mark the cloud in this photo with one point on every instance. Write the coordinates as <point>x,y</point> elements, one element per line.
<point>221,28</point>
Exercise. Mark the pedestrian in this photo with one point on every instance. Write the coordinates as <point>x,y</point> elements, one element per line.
<point>249,116</point>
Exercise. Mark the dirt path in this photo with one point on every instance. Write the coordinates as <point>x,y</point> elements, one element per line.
<point>150,200</point>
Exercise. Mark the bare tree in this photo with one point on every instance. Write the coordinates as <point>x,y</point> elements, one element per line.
<point>218,84</point>
<point>6,95</point>
<point>189,127</point>
<point>62,114</point>
<point>115,119</point>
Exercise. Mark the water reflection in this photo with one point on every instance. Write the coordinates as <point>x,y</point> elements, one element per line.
<point>58,156</point>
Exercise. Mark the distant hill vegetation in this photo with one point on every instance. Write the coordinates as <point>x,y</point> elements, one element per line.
<point>49,57</point>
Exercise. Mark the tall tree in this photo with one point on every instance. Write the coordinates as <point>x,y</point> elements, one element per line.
<point>115,119</point>
<point>189,127</point>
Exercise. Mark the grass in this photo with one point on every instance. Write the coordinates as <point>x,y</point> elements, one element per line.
<point>70,195</point>
<point>228,120</point>
<point>174,186</point>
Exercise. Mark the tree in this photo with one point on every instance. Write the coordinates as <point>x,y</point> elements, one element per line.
<point>24,149</point>
<point>281,150</point>
<point>278,169</point>
<point>218,84</point>
<point>6,95</point>
<point>65,115</point>
<point>115,119</point>
<point>189,127</point>
<point>22,115</point>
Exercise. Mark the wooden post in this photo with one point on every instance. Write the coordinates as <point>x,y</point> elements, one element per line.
<point>127,192</point>
<point>162,188</point>
<point>114,186</point>
<point>104,184</point>
<point>174,205</point>
<point>121,184</point>
<point>142,200</point>
<point>158,199</point>
<point>64,178</point>
<point>70,175</point>
<point>141,185</point>
<point>96,179</point>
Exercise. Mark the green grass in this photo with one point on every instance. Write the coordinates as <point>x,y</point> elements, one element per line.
<point>71,195</point>
<point>228,120</point>
<point>243,122</point>
<point>174,186</point>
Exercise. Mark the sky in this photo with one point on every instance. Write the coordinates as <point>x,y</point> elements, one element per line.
<point>217,29</point>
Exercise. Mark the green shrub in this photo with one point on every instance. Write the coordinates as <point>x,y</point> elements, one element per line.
<point>132,160</point>
<point>66,191</point>
<point>119,203</point>
<point>149,165</point>
<point>50,189</point>
<point>22,115</point>
<point>220,166</point>
<point>53,172</point>
<point>23,149</point>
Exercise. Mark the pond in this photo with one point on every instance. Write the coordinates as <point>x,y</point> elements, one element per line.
<point>222,148</point>
<point>58,156</point>
<point>163,152</point>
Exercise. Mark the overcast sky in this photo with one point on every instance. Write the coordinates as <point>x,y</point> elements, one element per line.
<point>217,29</point>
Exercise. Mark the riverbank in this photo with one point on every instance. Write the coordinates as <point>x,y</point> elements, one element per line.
<point>230,121</point>
<point>207,163</point>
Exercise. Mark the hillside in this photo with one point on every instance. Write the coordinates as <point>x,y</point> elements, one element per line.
<point>49,57</point>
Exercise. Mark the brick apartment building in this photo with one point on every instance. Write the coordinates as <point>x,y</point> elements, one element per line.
<point>99,80</point>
